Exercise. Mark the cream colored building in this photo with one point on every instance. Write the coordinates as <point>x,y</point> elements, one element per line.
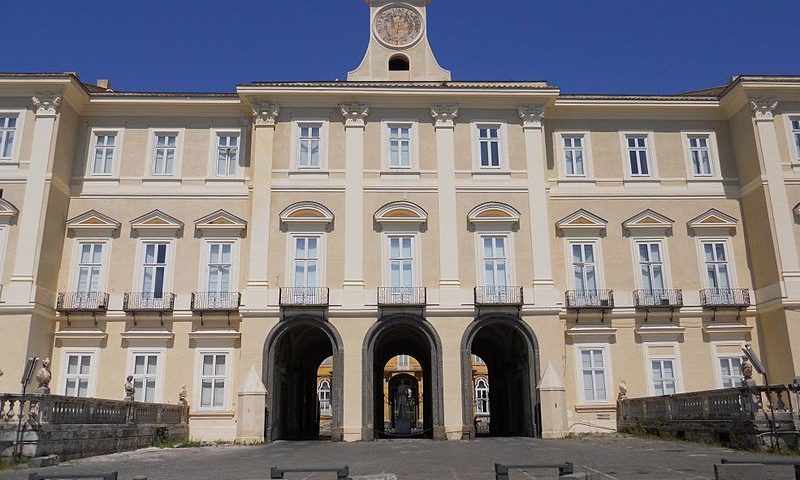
<point>231,242</point>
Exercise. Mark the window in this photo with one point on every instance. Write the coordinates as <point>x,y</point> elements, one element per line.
<point>227,154</point>
<point>730,371</point>
<point>651,266</point>
<point>90,265</point>
<point>103,158</point>
<point>489,143</point>
<point>219,267</point>
<point>637,155</point>
<point>403,362</point>
<point>716,260</point>
<point>401,262</point>
<point>700,152</point>
<point>8,129</point>
<point>154,269</point>
<point>324,394</point>
<point>663,376</point>
<point>594,375</point>
<point>584,269</point>
<point>164,154</point>
<point>145,375</point>
<point>495,258</point>
<point>309,146</point>
<point>573,156</point>
<point>306,262</point>
<point>478,360</point>
<point>399,146</point>
<point>481,397</point>
<point>76,380</point>
<point>796,134</point>
<point>212,380</point>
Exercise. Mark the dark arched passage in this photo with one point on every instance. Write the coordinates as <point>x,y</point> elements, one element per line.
<point>292,354</point>
<point>511,353</point>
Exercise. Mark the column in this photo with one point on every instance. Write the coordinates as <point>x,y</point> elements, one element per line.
<point>543,285</point>
<point>20,288</point>
<point>265,118</point>
<point>449,283</point>
<point>355,115</point>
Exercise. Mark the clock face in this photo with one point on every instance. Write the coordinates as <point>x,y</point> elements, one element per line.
<point>398,26</point>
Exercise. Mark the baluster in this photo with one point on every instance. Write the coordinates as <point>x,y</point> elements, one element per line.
<point>779,404</point>
<point>3,412</point>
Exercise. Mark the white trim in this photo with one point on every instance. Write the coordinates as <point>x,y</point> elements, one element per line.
<point>229,369</point>
<point>151,149</point>
<point>588,164</point>
<point>386,222</point>
<point>716,173</point>
<point>294,150</point>
<point>598,260</point>
<point>169,272</point>
<point>94,354</point>
<point>322,223</point>
<point>16,149</point>
<point>701,260</point>
<point>595,227</point>
<point>502,135</point>
<point>321,255</point>
<point>4,230</point>
<point>416,247</point>
<point>607,367</point>
<point>76,257</point>
<point>699,225</point>
<point>509,222</point>
<point>495,231</point>
<point>160,353</point>
<point>676,364</point>
<point>115,159</point>
<point>214,135</point>
<point>652,163</point>
<point>413,124</point>
<point>794,149</point>
<point>205,257</point>
<point>716,355</point>
<point>665,265</point>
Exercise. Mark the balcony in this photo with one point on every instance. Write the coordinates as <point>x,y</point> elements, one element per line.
<point>142,302</point>
<point>590,299</point>
<point>209,302</point>
<point>498,296</point>
<point>82,302</point>
<point>725,298</point>
<point>402,296</point>
<point>304,297</point>
<point>658,299</point>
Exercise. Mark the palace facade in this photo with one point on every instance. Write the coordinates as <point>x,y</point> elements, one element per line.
<point>580,245</point>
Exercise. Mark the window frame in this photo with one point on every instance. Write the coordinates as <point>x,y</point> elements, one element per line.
<point>729,259</point>
<point>406,365</point>
<point>510,255</point>
<point>229,368</point>
<point>675,356</point>
<point>792,139</point>
<point>169,271</point>
<point>652,162</point>
<point>324,135</point>
<point>16,148</point>
<point>414,152</point>
<point>598,262</point>
<point>205,260</point>
<point>213,147</point>
<point>714,157</point>
<point>93,353</point>
<point>415,257</point>
<point>665,264</point>
<point>150,165</point>
<point>561,152</point>
<point>160,354</point>
<point>502,135</point>
<point>290,255</point>
<point>75,263</point>
<point>329,410</point>
<point>607,370</point>
<point>475,389</point>
<point>91,146</point>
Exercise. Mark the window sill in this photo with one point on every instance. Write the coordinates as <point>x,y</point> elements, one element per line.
<point>495,174</point>
<point>596,407</point>
<point>400,172</point>
<point>309,173</point>
<point>211,414</point>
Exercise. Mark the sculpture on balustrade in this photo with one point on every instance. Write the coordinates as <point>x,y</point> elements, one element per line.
<point>130,390</point>
<point>182,396</point>
<point>623,391</point>
<point>43,377</point>
<point>747,372</point>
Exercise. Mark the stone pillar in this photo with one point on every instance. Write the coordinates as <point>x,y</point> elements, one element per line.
<point>543,285</point>
<point>449,283</point>
<point>553,398</point>
<point>355,115</point>
<point>20,289</point>
<point>265,118</point>
<point>250,410</point>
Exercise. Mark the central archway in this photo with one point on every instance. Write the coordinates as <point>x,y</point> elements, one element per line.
<point>402,334</point>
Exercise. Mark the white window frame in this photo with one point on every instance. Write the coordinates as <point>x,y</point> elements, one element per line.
<point>294,259</point>
<point>561,150</point>
<point>607,367</point>
<point>676,364</point>
<point>403,362</point>
<point>213,147</point>
<point>4,231</point>
<point>510,255</point>
<point>792,137</point>
<point>502,134</point>
<point>713,147</point>
<point>321,246</point>
<point>169,272</point>
<point>652,162</point>
<point>76,257</point>
<point>160,368</point>
<point>730,260</point>
<point>16,148</point>
<point>206,261</point>
<point>598,260</point>
<point>665,265</point>
<point>324,135</point>
<point>322,410</point>
<point>93,353</point>
<point>229,368</point>
<point>716,354</point>
<point>94,132</point>
<point>151,148</point>
<point>416,265</point>
<point>386,166</point>
<point>409,138</point>
<point>488,409</point>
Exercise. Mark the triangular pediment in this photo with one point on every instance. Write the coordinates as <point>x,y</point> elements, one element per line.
<point>648,220</point>
<point>582,220</point>
<point>94,221</point>
<point>7,210</point>
<point>156,221</point>
<point>713,219</point>
<point>221,220</point>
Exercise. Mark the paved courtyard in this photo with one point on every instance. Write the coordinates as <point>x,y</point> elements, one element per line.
<point>606,457</point>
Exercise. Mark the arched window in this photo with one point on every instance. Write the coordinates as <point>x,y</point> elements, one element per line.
<point>324,394</point>
<point>399,63</point>
<point>482,396</point>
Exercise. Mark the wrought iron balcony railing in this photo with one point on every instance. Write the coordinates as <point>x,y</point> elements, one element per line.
<point>402,296</point>
<point>667,299</point>
<point>72,302</point>
<point>725,297</point>
<point>488,295</point>
<point>590,299</point>
<point>148,302</point>
<point>216,301</point>
<point>304,297</point>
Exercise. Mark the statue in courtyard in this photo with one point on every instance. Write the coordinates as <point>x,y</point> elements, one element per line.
<point>130,390</point>
<point>43,377</point>
<point>403,409</point>
<point>182,396</point>
<point>623,391</point>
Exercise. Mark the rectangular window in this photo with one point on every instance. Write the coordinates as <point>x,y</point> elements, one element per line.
<point>594,375</point>
<point>219,267</point>
<point>663,376</point>
<point>637,155</point>
<point>796,135</point>
<point>584,268</point>
<point>145,376</point>
<point>164,153</point>
<point>401,262</point>
<point>309,145</point>
<point>103,159</point>
<point>716,262</point>
<point>495,261</point>
<point>399,146</point>
<point>306,262</point>
<point>90,265</point>
<point>489,143</point>
<point>651,266</point>
<point>700,151</point>
<point>154,268</point>
<point>8,129</point>
<point>227,154</point>
<point>402,362</point>
<point>573,156</point>
<point>79,370</point>
<point>212,380</point>
<point>730,373</point>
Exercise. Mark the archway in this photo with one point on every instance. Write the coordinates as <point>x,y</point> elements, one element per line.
<point>509,350</point>
<point>293,353</point>
<point>402,335</point>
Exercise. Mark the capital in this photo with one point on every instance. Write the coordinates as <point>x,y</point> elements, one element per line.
<point>531,115</point>
<point>354,114</point>
<point>763,107</point>
<point>46,103</point>
<point>265,114</point>
<point>444,115</point>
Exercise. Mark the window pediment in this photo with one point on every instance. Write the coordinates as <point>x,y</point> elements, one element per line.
<point>582,221</point>
<point>307,213</point>
<point>93,221</point>
<point>220,222</point>
<point>8,212</point>
<point>712,220</point>
<point>494,213</point>
<point>156,221</point>
<point>648,220</point>
<point>401,213</point>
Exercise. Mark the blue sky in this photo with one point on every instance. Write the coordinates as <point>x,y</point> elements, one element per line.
<point>625,46</point>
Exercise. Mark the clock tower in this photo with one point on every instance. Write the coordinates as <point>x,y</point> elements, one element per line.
<point>398,45</point>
